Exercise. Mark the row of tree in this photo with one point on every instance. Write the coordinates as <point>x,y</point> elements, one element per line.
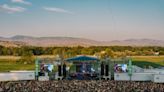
<point>72,51</point>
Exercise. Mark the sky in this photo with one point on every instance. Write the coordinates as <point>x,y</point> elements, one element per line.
<point>102,20</point>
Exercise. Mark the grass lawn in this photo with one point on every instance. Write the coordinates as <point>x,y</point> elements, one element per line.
<point>148,60</point>
<point>144,64</point>
<point>9,65</point>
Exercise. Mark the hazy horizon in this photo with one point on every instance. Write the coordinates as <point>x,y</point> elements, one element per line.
<point>101,20</point>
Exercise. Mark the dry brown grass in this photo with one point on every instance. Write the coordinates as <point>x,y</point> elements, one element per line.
<point>18,57</point>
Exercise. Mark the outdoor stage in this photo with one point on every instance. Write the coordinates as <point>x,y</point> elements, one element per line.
<point>85,68</point>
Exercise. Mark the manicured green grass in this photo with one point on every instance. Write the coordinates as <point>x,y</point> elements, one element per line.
<point>148,58</point>
<point>9,65</point>
<point>146,64</point>
<point>154,61</point>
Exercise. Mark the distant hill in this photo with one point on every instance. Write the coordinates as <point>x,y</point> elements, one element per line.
<point>52,41</point>
<point>137,42</point>
<point>71,41</point>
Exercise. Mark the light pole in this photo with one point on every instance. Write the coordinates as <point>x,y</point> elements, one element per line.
<point>130,69</point>
<point>36,68</point>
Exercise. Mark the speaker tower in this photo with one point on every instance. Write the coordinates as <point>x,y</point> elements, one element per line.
<point>102,69</point>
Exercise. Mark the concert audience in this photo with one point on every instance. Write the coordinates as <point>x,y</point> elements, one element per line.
<point>80,86</point>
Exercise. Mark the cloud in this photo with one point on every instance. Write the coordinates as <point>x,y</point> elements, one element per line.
<point>9,9</point>
<point>59,10</point>
<point>21,1</point>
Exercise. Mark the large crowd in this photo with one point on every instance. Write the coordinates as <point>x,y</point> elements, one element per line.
<point>80,86</point>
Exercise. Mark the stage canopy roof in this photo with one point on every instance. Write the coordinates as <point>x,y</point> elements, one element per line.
<point>82,58</point>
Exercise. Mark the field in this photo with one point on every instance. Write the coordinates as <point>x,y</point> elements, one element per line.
<point>143,61</point>
<point>148,58</point>
<point>17,57</point>
<point>8,63</point>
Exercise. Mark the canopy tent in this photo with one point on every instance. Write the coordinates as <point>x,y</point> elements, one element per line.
<point>82,58</point>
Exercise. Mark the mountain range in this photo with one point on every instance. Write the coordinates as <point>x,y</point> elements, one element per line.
<point>20,40</point>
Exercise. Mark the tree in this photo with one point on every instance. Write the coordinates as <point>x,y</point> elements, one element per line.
<point>1,50</point>
<point>109,52</point>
